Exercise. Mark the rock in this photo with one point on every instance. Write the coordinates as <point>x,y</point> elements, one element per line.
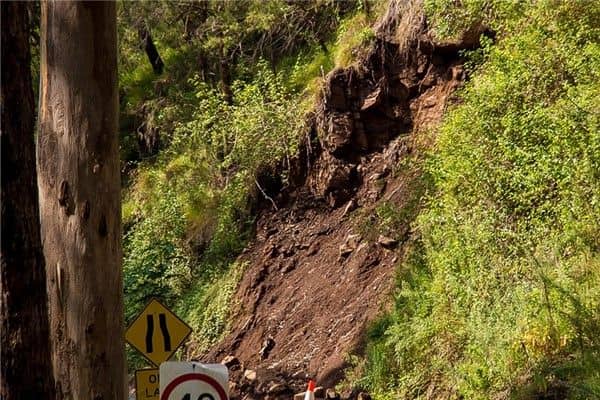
<point>319,392</point>
<point>332,179</point>
<point>277,388</point>
<point>267,346</point>
<point>299,375</point>
<point>331,394</point>
<point>336,130</point>
<point>299,396</point>
<point>363,396</point>
<point>348,394</point>
<point>345,250</point>
<point>349,245</point>
<point>353,240</point>
<point>230,361</point>
<point>372,99</point>
<point>387,242</point>
<point>337,82</point>
<point>250,374</point>
<point>351,206</point>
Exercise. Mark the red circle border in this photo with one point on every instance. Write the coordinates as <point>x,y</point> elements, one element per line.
<point>193,377</point>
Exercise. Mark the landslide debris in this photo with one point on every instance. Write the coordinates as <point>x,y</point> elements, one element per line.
<point>316,275</point>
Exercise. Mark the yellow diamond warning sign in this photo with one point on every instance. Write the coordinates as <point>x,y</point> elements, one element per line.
<point>146,384</point>
<point>157,332</point>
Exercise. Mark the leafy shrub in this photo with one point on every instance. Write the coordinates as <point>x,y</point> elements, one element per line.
<point>501,296</point>
<point>208,306</point>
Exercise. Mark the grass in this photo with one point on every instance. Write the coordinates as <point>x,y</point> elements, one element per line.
<point>499,295</point>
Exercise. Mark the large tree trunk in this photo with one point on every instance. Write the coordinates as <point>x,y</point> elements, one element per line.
<point>78,165</point>
<point>26,367</point>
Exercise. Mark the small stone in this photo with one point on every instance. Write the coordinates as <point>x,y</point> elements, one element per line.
<point>230,361</point>
<point>351,206</point>
<point>250,374</point>
<point>299,375</point>
<point>387,242</point>
<point>277,388</point>
<point>271,251</point>
<point>313,249</point>
<point>349,245</point>
<point>270,232</point>
<point>376,176</point>
<point>267,346</point>
<point>345,250</point>
<point>353,240</point>
<point>348,394</point>
<point>319,392</point>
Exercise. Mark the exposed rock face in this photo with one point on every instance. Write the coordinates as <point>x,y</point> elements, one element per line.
<point>365,106</point>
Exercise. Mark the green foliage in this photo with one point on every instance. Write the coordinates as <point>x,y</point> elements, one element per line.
<point>354,39</point>
<point>450,20</point>
<point>187,209</point>
<point>208,305</point>
<point>500,295</point>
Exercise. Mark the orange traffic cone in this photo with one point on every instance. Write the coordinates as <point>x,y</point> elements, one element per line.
<point>310,392</point>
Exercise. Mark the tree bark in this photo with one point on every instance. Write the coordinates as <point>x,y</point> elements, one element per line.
<point>79,180</point>
<point>151,51</point>
<point>26,371</point>
<point>225,75</point>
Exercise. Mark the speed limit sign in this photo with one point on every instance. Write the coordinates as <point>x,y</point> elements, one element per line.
<point>193,381</point>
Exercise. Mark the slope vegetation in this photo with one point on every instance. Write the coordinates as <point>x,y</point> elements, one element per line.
<point>499,296</point>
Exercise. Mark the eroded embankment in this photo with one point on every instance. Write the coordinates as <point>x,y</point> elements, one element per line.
<point>318,270</point>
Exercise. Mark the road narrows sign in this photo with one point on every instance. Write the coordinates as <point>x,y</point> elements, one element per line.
<point>146,384</point>
<point>157,332</point>
<point>193,381</point>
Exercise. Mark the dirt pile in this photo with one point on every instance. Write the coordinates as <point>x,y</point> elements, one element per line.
<point>317,272</point>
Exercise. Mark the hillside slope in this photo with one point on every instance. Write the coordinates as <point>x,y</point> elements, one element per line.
<point>322,264</point>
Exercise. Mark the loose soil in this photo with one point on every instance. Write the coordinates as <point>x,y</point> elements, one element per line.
<point>318,269</point>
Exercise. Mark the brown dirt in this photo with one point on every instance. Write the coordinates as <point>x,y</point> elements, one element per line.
<point>317,273</point>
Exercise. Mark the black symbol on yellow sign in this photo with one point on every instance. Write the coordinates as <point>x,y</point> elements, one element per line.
<point>157,332</point>
<point>150,332</point>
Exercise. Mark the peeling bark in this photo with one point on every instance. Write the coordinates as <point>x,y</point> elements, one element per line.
<point>79,180</point>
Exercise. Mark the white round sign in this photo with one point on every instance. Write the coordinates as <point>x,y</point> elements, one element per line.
<point>193,381</point>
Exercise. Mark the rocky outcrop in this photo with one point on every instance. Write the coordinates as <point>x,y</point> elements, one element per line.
<point>365,106</point>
